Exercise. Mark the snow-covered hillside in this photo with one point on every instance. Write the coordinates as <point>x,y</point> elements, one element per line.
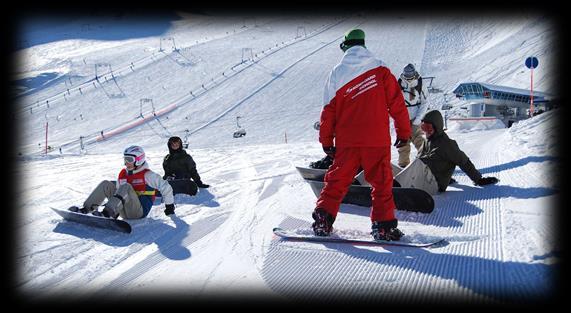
<point>270,71</point>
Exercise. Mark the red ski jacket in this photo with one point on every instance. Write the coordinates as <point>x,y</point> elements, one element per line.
<point>361,94</point>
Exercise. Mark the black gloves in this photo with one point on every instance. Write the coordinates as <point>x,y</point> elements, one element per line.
<point>169,209</point>
<point>487,181</point>
<point>330,151</point>
<point>400,142</point>
<point>202,185</point>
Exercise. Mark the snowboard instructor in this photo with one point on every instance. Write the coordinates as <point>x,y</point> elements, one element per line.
<point>360,95</point>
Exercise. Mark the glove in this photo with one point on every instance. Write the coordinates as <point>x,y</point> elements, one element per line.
<point>171,177</point>
<point>401,142</point>
<point>202,185</point>
<point>486,181</point>
<point>330,151</point>
<point>169,209</point>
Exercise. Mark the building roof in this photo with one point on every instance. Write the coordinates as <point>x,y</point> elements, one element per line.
<point>460,90</point>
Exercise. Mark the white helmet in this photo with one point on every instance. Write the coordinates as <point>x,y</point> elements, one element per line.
<point>134,154</point>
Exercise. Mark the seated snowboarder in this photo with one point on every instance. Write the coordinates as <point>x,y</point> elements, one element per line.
<point>133,194</point>
<point>438,157</point>
<point>180,169</point>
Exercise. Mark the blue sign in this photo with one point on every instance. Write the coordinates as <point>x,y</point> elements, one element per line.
<point>531,62</point>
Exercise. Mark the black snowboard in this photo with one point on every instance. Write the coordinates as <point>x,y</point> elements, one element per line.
<point>95,221</point>
<point>406,199</point>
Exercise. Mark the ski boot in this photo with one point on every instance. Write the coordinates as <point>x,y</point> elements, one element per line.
<point>386,230</point>
<point>323,222</point>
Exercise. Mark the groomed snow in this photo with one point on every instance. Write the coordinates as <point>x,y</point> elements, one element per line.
<point>503,245</point>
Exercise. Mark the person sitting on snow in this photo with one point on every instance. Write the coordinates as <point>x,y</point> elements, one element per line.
<point>133,194</point>
<point>180,168</point>
<point>432,170</point>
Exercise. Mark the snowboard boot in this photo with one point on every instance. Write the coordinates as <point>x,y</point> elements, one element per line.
<point>112,207</point>
<point>323,222</point>
<point>386,230</point>
<point>77,209</point>
<point>324,163</point>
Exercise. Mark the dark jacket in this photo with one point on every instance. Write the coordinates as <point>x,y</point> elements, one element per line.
<point>442,154</point>
<point>180,164</point>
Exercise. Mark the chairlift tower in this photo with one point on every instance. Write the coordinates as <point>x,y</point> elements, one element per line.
<point>143,101</point>
<point>247,52</point>
<point>298,32</point>
<point>185,142</point>
<point>100,72</point>
<point>171,39</point>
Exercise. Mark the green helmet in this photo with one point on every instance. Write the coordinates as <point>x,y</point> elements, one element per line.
<point>354,37</point>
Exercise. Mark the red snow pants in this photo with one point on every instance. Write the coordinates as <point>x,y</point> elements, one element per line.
<point>376,162</point>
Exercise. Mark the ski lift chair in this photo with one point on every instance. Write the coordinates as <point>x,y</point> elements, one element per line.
<point>239,133</point>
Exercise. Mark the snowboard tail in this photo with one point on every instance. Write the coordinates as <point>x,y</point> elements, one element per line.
<point>95,221</point>
<point>406,199</point>
<point>309,173</point>
<point>294,236</point>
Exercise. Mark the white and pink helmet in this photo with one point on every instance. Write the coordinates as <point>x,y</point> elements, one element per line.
<point>134,154</point>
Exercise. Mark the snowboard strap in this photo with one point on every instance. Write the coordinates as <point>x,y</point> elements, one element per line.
<point>120,198</point>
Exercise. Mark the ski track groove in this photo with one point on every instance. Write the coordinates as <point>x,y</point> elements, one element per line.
<point>461,215</point>
<point>200,229</point>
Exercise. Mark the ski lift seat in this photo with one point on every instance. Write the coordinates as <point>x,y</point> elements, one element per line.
<point>240,133</point>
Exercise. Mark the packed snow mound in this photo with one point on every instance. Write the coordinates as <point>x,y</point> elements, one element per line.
<point>473,125</point>
<point>527,134</point>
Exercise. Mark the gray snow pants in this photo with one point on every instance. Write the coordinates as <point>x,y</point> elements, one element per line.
<point>130,209</point>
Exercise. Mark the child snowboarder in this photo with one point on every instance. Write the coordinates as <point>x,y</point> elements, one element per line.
<point>133,194</point>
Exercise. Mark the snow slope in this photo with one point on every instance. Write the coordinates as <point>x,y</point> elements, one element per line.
<point>503,245</point>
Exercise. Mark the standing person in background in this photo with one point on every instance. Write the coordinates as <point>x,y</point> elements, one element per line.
<point>361,94</point>
<point>416,99</point>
